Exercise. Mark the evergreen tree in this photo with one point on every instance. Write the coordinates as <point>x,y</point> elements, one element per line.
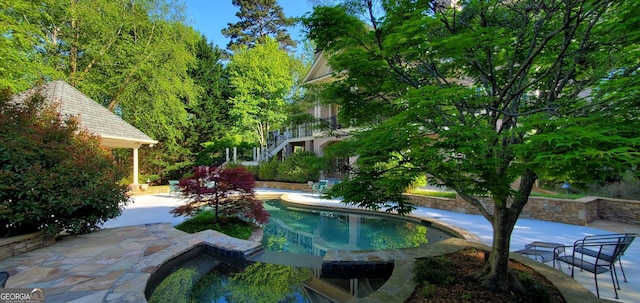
<point>210,112</point>
<point>259,19</point>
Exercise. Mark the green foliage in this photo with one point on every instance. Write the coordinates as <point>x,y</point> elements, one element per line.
<point>433,193</point>
<point>300,167</point>
<point>535,292</point>
<point>266,283</point>
<point>254,171</point>
<point>54,176</point>
<point>212,126</point>
<point>397,236</point>
<point>268,170</point>
<point>215,152</point>
<point>22,65</point>
<point>434,270</point>
<point>142,178</point>
<point>176,287</point>
<point>210,287</point>
<point>205,220</point>
<point>428,289</point>
<point>277,243</point>
<point>262,77</point>
<point>624,189</point>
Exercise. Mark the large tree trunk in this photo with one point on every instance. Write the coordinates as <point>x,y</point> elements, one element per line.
<point>496,275</point>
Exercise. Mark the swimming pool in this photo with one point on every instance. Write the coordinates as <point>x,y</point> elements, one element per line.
<point>314,231</point>
<point>293,269</point>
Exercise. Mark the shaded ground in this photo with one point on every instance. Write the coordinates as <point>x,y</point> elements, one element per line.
<point>463,289</point>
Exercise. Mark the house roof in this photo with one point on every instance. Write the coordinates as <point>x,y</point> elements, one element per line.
<point>97,119</point>
<point>320,70</point>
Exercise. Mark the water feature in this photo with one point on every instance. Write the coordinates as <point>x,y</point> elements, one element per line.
<point>292,270</point>
<point>200,275</point>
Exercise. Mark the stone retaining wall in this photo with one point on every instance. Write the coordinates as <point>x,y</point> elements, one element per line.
<point>13,246</point>
<point>576,212</point>
<point>284,185</point>
<point>624,211</point>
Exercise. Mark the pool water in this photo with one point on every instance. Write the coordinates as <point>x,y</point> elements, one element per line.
<point>314,231</point>
<point>214,279</point>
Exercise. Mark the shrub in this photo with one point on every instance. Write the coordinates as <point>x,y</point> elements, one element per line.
<point>434,270</point>
<point>536,292</point>
<point>428,289</point>
<point>53,175</point>
<point>300,167</point>
<point>176,287</point>
<point>142,178</point>
<point>268,171</point>
<point>253,170</point>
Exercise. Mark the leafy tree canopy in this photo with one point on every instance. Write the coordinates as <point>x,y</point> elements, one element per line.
<point>481,95</point>
<point>261,77</point>
<point>138,58</point>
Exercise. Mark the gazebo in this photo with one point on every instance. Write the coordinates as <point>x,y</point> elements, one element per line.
<point>113,131</point>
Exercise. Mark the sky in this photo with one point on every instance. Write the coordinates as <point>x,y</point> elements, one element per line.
<point>209,17</point>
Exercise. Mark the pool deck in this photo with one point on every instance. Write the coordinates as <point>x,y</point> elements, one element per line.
<point>113,265</point>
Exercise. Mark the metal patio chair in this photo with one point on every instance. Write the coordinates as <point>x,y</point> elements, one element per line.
<point>596,255</point>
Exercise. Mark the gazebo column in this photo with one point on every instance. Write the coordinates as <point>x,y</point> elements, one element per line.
<point>135,164</point>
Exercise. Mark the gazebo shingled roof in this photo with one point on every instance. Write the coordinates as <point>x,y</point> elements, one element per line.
<point>114,131</point>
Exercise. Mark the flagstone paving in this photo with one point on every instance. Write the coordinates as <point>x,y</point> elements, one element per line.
<point>114,264</point>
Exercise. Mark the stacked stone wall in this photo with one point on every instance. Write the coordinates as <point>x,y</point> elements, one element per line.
<point>624,211</point>
<point>13,246</point>
<point>284,185</point>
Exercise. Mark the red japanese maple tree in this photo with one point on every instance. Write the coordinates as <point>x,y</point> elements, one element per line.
<point>228,190</point>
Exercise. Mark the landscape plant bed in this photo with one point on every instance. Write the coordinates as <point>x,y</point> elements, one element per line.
<point>450,282</point>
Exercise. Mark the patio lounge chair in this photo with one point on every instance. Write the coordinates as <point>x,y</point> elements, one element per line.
<point>321,186</point>
<point>596,254</point>
<point>4,276</point>
<point>174,187</point>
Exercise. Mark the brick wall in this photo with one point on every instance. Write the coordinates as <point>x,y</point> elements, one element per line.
<point>13,246</point>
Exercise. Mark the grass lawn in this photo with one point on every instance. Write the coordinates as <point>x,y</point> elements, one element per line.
<point>559,195</point>
<point>229,226</point>
<point>432,193</point>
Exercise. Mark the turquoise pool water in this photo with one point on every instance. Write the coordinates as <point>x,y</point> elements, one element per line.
<point>295,229</point>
